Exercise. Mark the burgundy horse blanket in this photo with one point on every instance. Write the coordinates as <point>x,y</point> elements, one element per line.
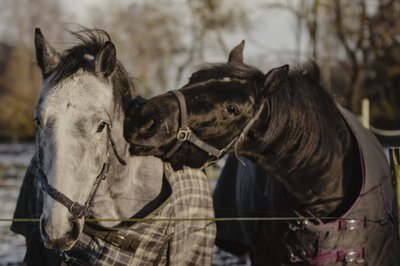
<point>364,235</point>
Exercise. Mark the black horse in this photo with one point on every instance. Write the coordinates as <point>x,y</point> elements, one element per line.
<point>329,173</point>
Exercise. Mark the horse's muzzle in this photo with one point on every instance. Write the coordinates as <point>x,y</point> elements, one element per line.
<point>64,242</point>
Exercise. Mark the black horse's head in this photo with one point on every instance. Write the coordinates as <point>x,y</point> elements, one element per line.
<point>221,99</point>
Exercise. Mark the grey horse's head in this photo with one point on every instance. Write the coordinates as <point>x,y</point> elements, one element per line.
<point>77,107</point>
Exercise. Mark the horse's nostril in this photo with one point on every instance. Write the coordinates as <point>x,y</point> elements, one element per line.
<point>43,232</point>
<point>148,125</point>
<point>75,228</point>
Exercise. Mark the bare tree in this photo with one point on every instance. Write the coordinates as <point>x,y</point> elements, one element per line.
<point>22,16</point>
<point>306,13</point>
<point>18,101</point>
<point>370,42</point>
<point>383,63</point>
<point>210,19</point>
<point>159,41</point>
<point>19,78</point>
<point>353,36</point>
<point>148,38</point>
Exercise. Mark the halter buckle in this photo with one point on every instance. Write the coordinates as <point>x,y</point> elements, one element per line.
<point>183,134</point>
<point>77,210</point>
<point>118,240</point>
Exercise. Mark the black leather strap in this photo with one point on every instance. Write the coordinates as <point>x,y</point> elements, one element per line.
<point>75,208</point>
<point>186,134</point>
<point>117,238</point>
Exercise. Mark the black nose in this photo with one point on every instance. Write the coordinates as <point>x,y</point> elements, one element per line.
<point>71,235</point>
<point>132,109</point>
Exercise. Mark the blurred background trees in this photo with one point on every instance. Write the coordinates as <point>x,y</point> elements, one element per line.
<point>356,43</point>
<point>19,77</point>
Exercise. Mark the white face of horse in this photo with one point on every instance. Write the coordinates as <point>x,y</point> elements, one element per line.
<point>72,143</point>
<point>72,139</point>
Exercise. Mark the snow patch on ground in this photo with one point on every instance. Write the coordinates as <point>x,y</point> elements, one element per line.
<point>14,159</point>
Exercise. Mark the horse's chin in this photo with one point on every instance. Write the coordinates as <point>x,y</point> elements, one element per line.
<point>60,240</point>
<point>60,245</point>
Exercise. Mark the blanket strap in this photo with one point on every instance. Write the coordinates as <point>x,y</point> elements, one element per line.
<point>114,237</point>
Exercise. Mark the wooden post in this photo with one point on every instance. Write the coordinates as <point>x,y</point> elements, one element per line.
<point>394,156</point>
<point>365,113</point>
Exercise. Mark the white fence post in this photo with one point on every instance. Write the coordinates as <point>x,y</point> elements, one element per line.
<point>365,113</point>
<point>394,156</point>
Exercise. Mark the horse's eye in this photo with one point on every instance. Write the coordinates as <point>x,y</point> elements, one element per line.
<point>37,121</point>
<point>101,127</point>
<point>232,109</point>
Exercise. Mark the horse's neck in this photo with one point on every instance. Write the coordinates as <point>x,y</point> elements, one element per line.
<point>127,188</point>
<point>312,170</point>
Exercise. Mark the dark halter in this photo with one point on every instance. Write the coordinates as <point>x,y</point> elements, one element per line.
<point>186,134</point>
<point>75,208</point>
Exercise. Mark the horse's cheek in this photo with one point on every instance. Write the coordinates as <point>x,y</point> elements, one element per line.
<point>97,160</point>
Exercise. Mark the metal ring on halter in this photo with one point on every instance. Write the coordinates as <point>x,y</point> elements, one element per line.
<point>183,134</point>
<point>77,210</point>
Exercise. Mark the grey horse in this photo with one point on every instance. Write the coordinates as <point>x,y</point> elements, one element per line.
<point>83,169</point>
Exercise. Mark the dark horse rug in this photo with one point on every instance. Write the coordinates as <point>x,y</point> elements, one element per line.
<point>180,231</point>
<point>247,191</point>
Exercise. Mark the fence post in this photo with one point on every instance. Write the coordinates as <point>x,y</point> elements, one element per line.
<point>365,113</point>
<point>394,156</point>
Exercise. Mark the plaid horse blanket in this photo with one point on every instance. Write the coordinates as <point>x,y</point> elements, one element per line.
<point>176,233</point>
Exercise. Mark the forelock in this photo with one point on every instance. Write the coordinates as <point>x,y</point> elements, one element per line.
<point>80,56</point>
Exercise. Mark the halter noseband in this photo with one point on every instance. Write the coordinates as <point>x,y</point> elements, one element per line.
<point>75,208</point>
<point>186,134</point>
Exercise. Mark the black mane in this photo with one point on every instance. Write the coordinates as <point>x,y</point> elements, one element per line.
<point>219,71</point>
<point>307,127</point>
<point>308,71</point>
<point>81,57</point>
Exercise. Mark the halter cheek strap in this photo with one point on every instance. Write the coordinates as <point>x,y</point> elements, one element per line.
<point>75,208</point>
<point>186,134</point>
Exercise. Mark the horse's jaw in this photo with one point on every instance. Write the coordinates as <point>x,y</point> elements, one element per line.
<point>197,159</point>
<point>127,189</point>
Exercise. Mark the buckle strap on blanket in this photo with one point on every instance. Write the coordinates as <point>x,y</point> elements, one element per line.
<point>114,237</point>
<point>338,225</point>
<point>356,255</point>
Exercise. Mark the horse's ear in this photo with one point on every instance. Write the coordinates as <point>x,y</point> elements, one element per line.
<point>106,60</point>
<point>47,58</point>
<point>275,77</point>
<point>236,55</point>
